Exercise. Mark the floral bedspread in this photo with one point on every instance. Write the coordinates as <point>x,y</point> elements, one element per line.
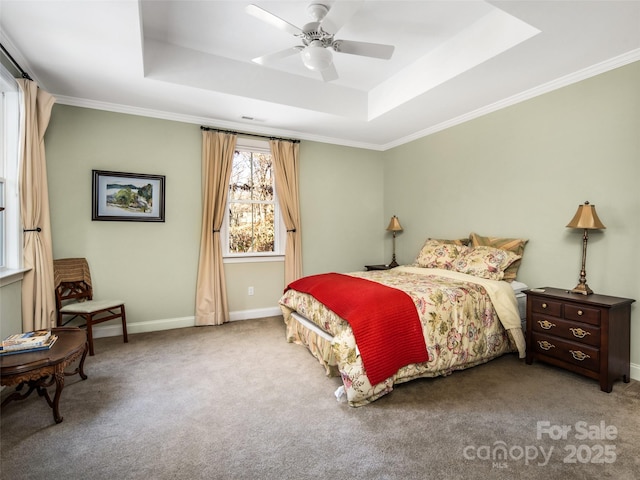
<point>460,325</point>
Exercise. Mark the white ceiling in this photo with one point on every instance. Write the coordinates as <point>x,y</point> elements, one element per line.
<point>191,61</point>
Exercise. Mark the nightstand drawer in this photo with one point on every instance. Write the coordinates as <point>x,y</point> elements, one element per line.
<point>585,334</point>
<point>582,314</point>
<point>577,332</point>
<point>575,353</point>
<point>545,306</point>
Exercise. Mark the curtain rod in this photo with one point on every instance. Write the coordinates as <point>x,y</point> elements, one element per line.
<point>12,60</point>
<point>248,134</point>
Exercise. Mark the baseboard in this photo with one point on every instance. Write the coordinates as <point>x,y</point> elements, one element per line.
<point>141,327</point>
<point>171,323</point>
<point>256,313</point>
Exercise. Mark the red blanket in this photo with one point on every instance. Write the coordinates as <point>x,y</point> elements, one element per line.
<point>384,320</point>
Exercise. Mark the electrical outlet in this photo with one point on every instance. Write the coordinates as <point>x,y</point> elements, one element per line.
<point>250,291</point>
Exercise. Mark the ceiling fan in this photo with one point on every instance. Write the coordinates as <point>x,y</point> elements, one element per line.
<point>318,38</point>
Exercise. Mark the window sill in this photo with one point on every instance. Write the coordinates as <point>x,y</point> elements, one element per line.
<point>11,275</point>
<point>254,259</point>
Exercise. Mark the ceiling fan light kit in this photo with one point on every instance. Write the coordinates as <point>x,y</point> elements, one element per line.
<point>316,57</point>
<point>318,37</point>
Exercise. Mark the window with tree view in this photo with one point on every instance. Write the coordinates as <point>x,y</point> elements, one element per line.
<point>252,218</point>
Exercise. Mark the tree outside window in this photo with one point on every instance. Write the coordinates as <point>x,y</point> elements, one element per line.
<point>252,204</point>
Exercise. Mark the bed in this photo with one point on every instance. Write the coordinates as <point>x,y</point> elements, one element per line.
<point>467,314</point>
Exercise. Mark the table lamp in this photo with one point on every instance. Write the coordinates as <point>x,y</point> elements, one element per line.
<point>394,227</point>
<point>587,219</point>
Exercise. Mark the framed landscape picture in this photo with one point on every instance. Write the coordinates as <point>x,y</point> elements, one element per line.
<point>127,197</point>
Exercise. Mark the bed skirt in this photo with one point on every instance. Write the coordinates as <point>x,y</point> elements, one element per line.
<point>301,331</point>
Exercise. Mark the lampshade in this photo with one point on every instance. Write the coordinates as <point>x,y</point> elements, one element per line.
<point>315,57</point>
<point>586,217</point>
<point>394,225</point>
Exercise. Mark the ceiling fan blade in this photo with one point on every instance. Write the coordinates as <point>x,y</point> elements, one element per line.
<point>273,57</point>
<point>330,73</point>
<point>272,20</point>
<point>339,14</point>
<point>376,50</point>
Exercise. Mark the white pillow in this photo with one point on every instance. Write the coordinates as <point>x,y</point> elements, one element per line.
<point>518,286</point>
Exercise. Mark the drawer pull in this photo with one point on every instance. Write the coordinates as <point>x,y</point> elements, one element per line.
<point>578,355</point>
<point>544,305</point>
<point>546,324</point>
<point>580,313</point>
<point>546,345</point>
<point>580,333</point>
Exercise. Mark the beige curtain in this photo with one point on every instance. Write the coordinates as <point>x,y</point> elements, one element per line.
<point>211,291</point>
<point>286,167</point>
<point>38,299</point>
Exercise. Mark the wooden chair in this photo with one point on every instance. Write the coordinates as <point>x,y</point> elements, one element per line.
<point>74,298</point>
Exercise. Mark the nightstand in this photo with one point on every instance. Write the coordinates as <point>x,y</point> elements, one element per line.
<point>586,334</point>
<point>377,267</point>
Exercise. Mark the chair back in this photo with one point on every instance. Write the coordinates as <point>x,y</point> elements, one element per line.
<point>72,280</point>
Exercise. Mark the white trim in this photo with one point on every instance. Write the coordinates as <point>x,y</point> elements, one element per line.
<point>254,259</point>
<point>208,121</point>
<point>12,113</point>
<point>556,84</point>
<point>255,146</point>
<point>143,327</point>
<point>17,56</point>
<point>635,371</point>
<point>580,75</point>
<point>9,275</point>
<point>256,313</point>
<point>115,330</point>
<point>183,322</point>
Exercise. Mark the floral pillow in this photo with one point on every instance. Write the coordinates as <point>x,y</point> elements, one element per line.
<point>456,241</point>
<point>515,245</point>
<point>485,262</point>
<point>435,254</point>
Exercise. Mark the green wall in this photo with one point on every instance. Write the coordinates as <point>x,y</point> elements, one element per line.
<point>150,266</point>
<point>153,266</point>
<point>521,171</point>
<point>10,308</point>
<point>341,199</point>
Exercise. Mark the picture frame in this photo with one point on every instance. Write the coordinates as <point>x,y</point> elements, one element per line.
<point>127,197</point>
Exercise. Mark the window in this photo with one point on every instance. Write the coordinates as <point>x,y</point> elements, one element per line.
<point>2,221</point>
<point>10,228</point>
<point>252,226</point>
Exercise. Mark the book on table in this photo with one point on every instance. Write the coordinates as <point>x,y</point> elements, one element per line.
<point>27,348</point>
<point>17,341</point>
<point>34,338</point>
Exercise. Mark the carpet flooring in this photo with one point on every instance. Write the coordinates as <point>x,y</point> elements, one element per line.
<point>238,402</point>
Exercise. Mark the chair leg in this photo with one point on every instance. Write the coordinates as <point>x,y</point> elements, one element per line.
<point>124,325</point>
<point>90,335</point>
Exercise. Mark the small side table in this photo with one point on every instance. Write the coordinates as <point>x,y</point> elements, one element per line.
<point>41,369</point>
<point>377,267</point>
<point>585,334</point>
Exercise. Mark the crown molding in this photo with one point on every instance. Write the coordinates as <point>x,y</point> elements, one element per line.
<point>603,67</point>
<point>206,121</point>
<point>592,71</point>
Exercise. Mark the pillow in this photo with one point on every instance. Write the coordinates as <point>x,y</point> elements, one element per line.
<point>435,254</point>
<point>485,262</point>
<point>518,286</point>
<point>457,241</point>
<point>515,245</point>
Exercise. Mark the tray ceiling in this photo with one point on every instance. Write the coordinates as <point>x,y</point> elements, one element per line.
<point>191,61</point>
